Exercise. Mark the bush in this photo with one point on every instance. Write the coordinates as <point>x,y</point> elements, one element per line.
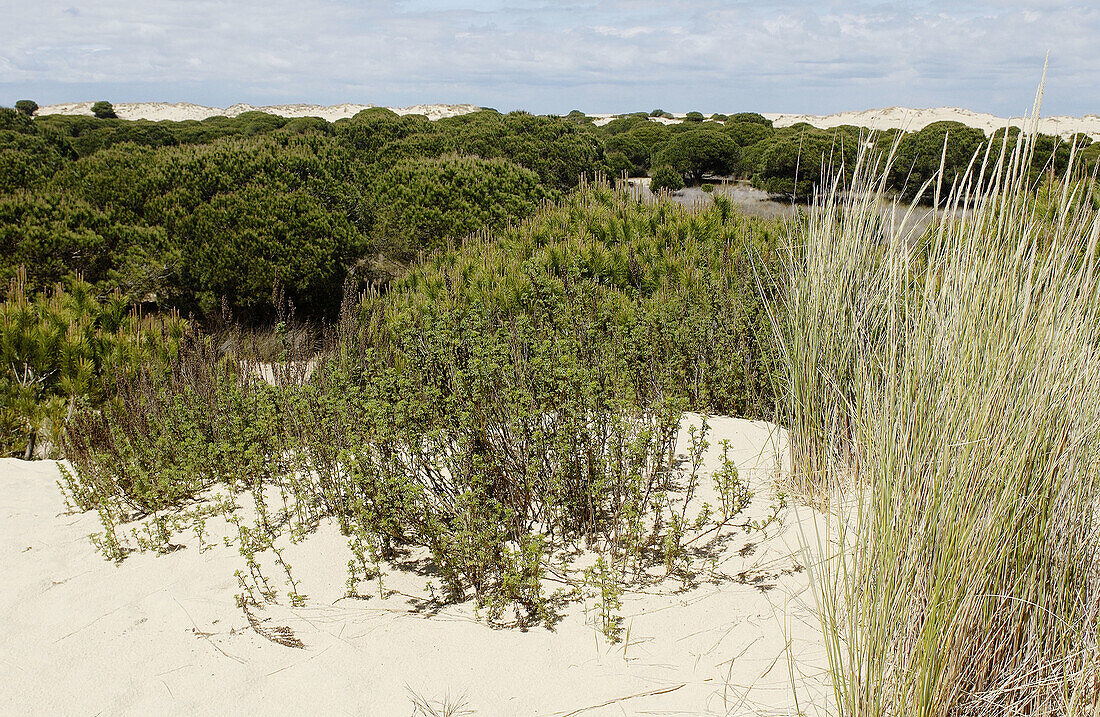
<point>919,155</point>
<point>501,403</point>
<point>630,146</point>
<point>26,107</point>
<point>283,207</point>
<point>751,118</point>
<point>745,134</point>
<point>693,117</point>
<point>698,152</point>
<point>64,350</point>
<point>104,110</point>
<point>26,161</point>
<point>424,203</point>
<point>665,179</point>
<point>795,161</point>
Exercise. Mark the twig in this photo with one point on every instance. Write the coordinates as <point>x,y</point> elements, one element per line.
<point>205,635</point>
<point>651,693</point>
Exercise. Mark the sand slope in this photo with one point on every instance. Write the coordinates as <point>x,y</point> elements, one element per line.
<point>161,634</point>
<point>179,111</point>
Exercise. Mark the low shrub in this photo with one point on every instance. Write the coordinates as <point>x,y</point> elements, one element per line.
<point>665,179</point>
<point>500,406</point>
<point>65,350</point>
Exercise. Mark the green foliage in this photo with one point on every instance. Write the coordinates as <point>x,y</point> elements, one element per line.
<point>424,203</point>
<point>27,161</point>
<point>919,155</point>
<point>499,407</point>
<point>665,179</point>
<point>693,117</point>
<point>26,107</point>
<point>797,160</point>
<point>281,208</point>
<point>699,152</point>
<point>632,148</point>
<point>745,134</point>
<point>560,152</point>
<point>750,117</point>
<point>103,110</point>
<point>64,350</point>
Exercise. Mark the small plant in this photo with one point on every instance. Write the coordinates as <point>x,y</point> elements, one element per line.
<point>447,707</point>
<point>604,578</point>
<point>733,493</point>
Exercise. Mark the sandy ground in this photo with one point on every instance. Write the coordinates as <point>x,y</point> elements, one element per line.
<point>179,111</point>
<point>162,634</point>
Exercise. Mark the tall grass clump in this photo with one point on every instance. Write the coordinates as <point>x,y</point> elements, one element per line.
<point>950,382</point>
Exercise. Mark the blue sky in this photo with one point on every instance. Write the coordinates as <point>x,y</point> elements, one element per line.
<point>613,56</point>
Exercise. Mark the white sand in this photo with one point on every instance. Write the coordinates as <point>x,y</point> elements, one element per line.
<point>915,119</point>
<point>888,118</point>
<point>186,111</point>
<point>911,119</point>
<point>161,634</point>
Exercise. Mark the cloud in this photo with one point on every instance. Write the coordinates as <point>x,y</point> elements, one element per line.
<point>771,55</point>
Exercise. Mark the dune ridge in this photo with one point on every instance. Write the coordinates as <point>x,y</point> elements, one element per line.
<point>178,111</point>
<point>909,118</point>
<point>915,119</point>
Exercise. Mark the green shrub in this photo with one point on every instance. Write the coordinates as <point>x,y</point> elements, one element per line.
<point>795,161</point>
<point>26,107</point>
<point>424,203</point>
<point>103,110</point>
<point>665,178</point>
<point>919,155</point>
<point>64,350</point>
<point>507,401</point>
<point>699,152</point>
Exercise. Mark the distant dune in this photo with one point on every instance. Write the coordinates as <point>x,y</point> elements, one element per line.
<point>178,111</point>
<point>886,118</point>
<point>916,119</point>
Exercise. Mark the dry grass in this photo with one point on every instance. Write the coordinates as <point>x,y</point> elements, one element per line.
<point>950,382</point>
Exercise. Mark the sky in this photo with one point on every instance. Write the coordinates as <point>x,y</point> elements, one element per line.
<point>555,56</point>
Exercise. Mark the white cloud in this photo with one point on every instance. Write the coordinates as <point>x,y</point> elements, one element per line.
<point>551,56</point>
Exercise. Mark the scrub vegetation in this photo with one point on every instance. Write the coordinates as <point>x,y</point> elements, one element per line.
<point>465,340</point>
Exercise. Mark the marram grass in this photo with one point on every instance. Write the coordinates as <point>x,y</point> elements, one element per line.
<point>948,383</point>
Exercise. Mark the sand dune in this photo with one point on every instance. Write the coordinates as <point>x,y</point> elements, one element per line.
<point>179,111</point>
<point>162,634</point>
<point>913,120</point>
<point>916,119</point>
<point>886,118</point>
